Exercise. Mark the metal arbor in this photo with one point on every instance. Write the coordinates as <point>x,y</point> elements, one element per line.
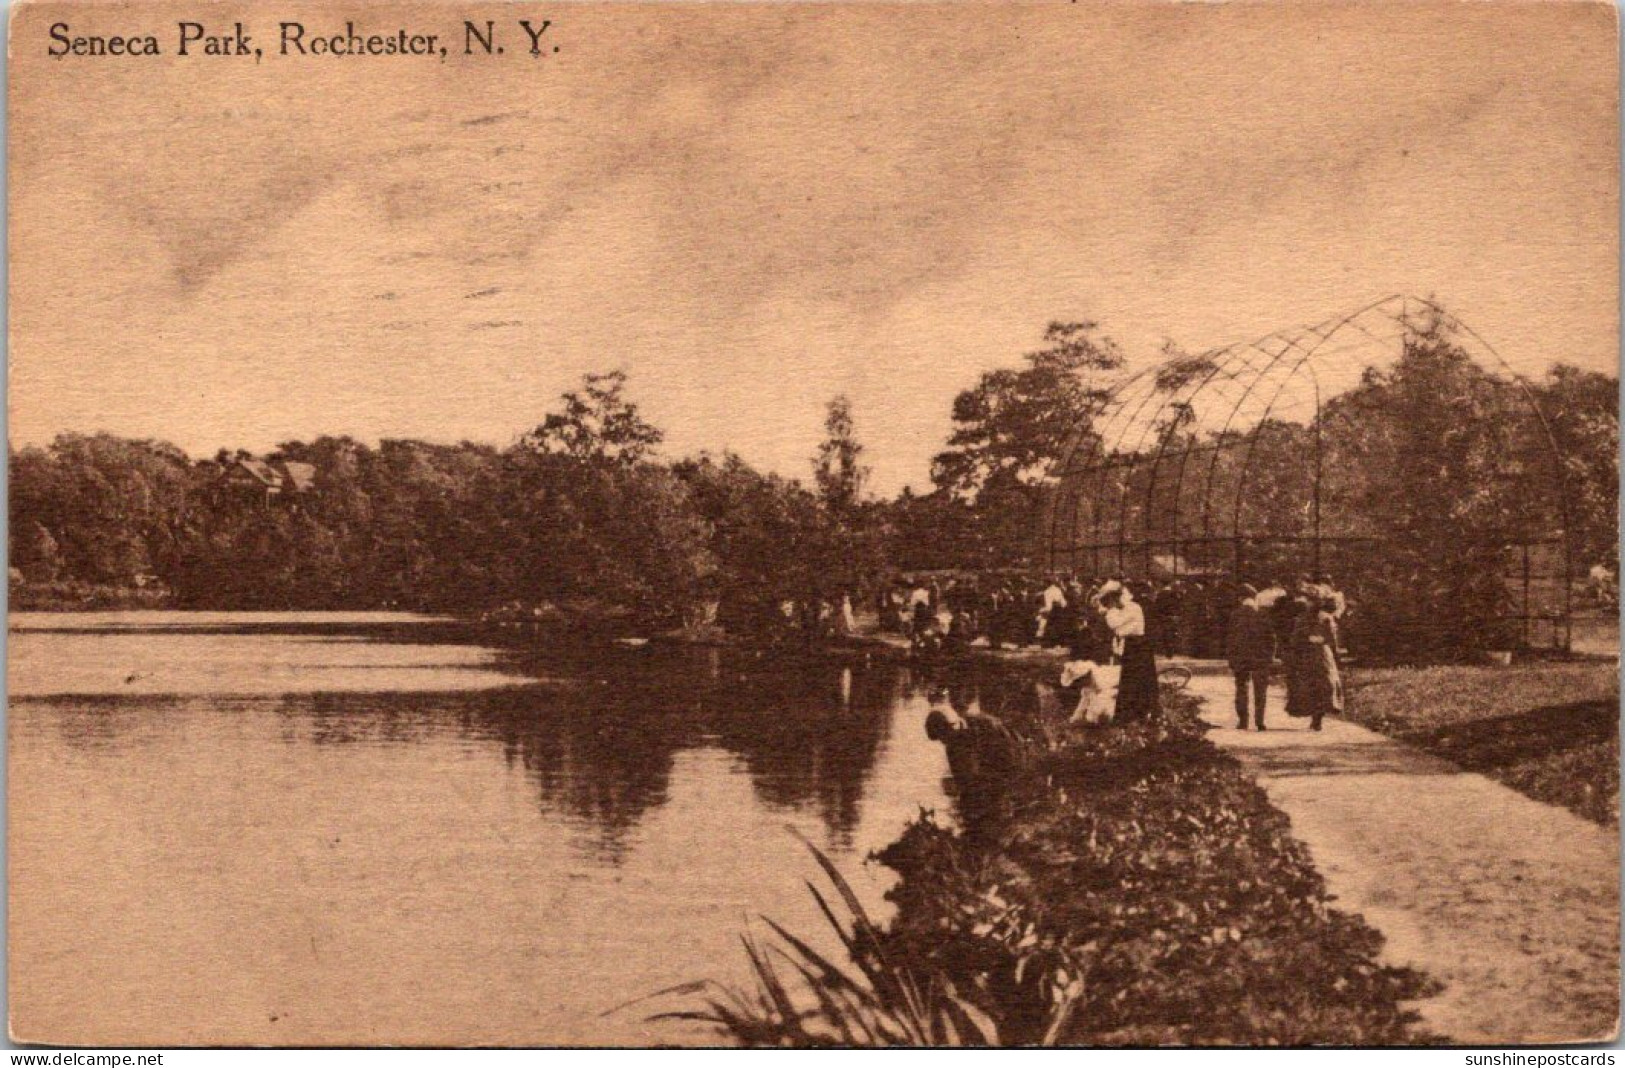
<point>1230,462</point>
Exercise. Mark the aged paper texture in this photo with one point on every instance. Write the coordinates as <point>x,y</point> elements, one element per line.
<point>799,524</point>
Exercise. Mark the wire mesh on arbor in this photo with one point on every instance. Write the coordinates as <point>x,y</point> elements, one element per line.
<point>1265,459</point>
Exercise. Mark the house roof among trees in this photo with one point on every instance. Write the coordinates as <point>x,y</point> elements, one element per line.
<point>292,476</point>
<point>261,471</point>
<point>300,476</point>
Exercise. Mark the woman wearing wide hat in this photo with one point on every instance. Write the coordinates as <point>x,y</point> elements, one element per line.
<point>1137,686</point>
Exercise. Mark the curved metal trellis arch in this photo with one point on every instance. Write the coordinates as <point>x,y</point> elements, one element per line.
<point>1156,482</point>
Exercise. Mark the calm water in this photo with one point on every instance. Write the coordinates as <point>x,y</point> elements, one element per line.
<point>351,829</point>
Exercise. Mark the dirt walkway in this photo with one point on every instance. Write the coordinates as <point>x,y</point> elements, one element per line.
<point>1511,903</point>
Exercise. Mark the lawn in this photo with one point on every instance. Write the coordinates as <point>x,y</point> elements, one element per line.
<point>1549,730</point>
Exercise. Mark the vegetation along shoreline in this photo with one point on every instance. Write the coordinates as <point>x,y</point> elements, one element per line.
<point>1142,892</point>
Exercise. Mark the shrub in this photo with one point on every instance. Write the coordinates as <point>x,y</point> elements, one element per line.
<point>1144,892</point>
<point>1148,856</point>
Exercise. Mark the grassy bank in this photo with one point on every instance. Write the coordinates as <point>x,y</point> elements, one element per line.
<point>1549,730</point>
<point>1144,892</point>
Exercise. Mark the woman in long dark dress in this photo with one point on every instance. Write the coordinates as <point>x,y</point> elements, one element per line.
<point>1323,679</point>
<point>1314,680</point>
<point>1137,696</point>
<point>1296,617</point>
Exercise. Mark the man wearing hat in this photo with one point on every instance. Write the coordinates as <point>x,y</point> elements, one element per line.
<point>1250,650</point>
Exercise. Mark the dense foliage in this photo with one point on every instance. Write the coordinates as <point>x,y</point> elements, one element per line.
<point>1582,410</point>
<point>1434,456</point>
<point>1007,429</point>
<point>576,514</point>
<point>1439,458</point>
<point>1150,861</point>
<point>1145,893</point>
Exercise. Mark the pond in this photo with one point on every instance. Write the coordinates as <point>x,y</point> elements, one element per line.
<point>348,829</point>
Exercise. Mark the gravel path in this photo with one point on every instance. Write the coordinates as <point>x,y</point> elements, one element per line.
<point>1511,903</point>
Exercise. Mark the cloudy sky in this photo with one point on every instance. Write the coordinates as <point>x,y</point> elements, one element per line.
<point>754,207</point>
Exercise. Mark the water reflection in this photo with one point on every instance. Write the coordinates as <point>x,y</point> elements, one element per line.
<point>597,740</point>
<point>599,750</point>
<point>443,862</point>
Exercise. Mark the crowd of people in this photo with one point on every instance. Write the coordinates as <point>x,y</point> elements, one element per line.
<point>1113,635</point>
<point>1114,629</point>
<point>1302,628</point>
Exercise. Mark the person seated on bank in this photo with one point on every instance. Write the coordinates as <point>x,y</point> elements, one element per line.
<point>984,758</point>
<point>1091,691</point>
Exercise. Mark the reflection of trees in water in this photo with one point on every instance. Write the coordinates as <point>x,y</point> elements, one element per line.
<point>598,744</point>
<point>596,761</point>
<point>969,685</point>
<point>600,747</point>
<point>809,736</point>
<point>93,722</point>
<point>593,759</point>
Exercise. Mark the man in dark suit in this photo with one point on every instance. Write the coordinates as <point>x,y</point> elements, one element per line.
<point>1250,649</point>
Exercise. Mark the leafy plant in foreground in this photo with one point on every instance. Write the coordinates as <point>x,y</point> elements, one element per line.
<point>802,998</point>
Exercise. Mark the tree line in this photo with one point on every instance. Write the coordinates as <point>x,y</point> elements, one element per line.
<point>584,511</point>
<point>578,512</point>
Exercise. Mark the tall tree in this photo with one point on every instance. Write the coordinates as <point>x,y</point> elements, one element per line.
<point>1582,409</point>
<point>1010,427</point>
<point>1013,422</point>
<point>597,423</point>
<point>1444,457</point>
<point>838,469</point>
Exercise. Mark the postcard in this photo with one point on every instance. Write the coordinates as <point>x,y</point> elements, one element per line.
<point>813,524</point>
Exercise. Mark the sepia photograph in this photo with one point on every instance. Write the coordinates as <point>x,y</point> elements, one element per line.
<point>813,524</point>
